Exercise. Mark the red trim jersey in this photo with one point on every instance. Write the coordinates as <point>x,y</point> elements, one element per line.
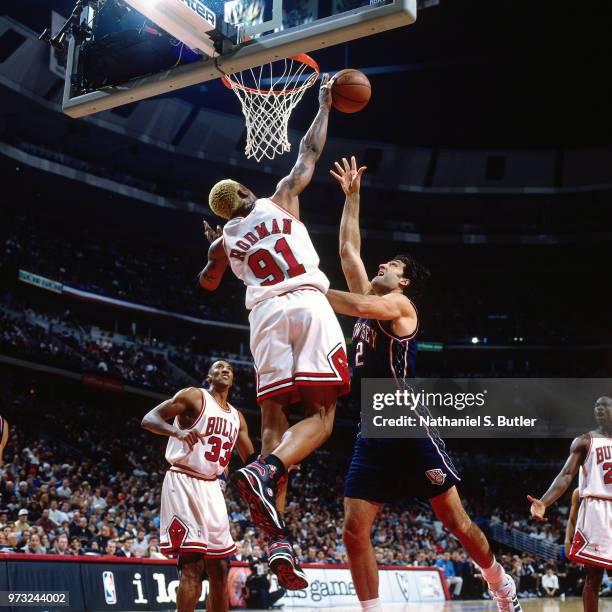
<point>271,252</point>
<point>595,477</point>
<point>218,427</point>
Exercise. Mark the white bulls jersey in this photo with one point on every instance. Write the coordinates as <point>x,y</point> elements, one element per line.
<point>271,252</point>
<point>209,457</point>
<point>595,479</point>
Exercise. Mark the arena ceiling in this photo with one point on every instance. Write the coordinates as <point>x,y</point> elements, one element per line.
<point>470,73</point>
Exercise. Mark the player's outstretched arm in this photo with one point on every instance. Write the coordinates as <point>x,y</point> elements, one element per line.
<point>311,147</point>
<point>388,307</point>
<point>244,445</point>
<point>563,481</point>
<point>211,275</point>
<point>184,401</point>
<point>349,178</point>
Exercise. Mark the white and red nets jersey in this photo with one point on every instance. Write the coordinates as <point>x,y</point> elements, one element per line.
<point>271,252</point>
<point>209,457</point>
<point>595,479</point>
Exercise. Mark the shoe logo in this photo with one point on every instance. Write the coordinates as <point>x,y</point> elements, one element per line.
<point>272,469</point>
<point>436,476</point>
<point>269,491</point>
<point>259,468</point>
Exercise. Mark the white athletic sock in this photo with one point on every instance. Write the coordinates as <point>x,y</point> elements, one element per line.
<point>494,575</point>
<point>371,605</point>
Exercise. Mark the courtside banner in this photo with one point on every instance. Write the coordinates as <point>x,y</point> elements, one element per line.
<point>94,584</point>
<point>332,587</point>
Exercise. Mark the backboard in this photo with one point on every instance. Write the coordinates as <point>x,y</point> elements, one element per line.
<point>193,41</point>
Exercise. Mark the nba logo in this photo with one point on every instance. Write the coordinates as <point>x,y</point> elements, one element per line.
<point>110,593</point>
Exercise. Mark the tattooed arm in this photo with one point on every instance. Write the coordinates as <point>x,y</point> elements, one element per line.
<point>211,275</point>
<point>311,147</point>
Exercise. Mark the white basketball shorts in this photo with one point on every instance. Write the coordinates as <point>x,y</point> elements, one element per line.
<point>297,341</point>
<point>193,517</point>
<point>592,542</point>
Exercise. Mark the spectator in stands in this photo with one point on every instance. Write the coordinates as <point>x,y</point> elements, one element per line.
<point>45,522</point>
<point>111,548</point>
<point>64,489</point>
<point>140,544</point>
<point>98,500</point>
<point>126,548</point>
<point>257,588</point>
<point>79,529</point>
<point>550,583</point>
<point>60,546</point>
<point>103,537</point>
<point>93,548</point>
<point>55,514</point>
<point>152,552</point>
<point>21,524</point>
<point>75,546</point>
<point>11,544</point>
<point>454,582</point>
<point>34,546</point>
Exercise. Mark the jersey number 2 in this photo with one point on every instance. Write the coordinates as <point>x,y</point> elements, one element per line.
<point>359,355</point>
<point>264,267</point>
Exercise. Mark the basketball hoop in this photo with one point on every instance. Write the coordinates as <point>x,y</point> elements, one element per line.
<point>268,100</point>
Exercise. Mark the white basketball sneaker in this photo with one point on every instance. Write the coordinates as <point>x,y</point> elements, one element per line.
<point>505,596</point>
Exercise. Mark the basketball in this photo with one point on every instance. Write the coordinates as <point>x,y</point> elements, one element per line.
<point>351,91</point>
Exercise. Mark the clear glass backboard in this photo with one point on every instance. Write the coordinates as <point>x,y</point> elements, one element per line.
<point>120,55</point>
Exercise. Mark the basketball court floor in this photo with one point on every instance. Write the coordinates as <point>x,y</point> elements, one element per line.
<point>478,605</point>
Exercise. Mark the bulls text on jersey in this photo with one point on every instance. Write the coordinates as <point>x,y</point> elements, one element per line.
<point>603,453</point>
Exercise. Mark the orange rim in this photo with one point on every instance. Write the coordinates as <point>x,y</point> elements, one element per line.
<point>300,57</point>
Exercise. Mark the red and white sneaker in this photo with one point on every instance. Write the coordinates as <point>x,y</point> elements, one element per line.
<point>283,563</point>
<point>257,485</point>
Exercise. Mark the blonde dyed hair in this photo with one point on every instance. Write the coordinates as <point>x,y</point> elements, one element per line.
<point>224,199</point>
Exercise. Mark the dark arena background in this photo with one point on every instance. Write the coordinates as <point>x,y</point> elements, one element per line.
<point>488,141</point>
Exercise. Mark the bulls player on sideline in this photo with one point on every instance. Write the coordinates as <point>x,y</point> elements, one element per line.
<point>384,348</point>
<point>194,522</point>
<point>591,457</point>
<point>296,341</point>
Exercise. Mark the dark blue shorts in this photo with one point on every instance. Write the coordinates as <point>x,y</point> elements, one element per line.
<point>389,470</point>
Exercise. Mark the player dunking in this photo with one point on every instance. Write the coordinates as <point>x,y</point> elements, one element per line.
<point>591,456</point>
<point>384,347</point>
<point>194,524</point>
<point>297,344</point>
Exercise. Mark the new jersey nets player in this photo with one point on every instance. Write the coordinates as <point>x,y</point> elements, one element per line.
<point>384,347</point>
<point>194,525</point>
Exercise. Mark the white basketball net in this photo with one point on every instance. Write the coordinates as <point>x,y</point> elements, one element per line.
<point>268,99</point>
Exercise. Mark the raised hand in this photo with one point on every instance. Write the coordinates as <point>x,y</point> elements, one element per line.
<point>325,95</point>
<point>538,509</point>
<point>210,233</point>
<point>348,175</point>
